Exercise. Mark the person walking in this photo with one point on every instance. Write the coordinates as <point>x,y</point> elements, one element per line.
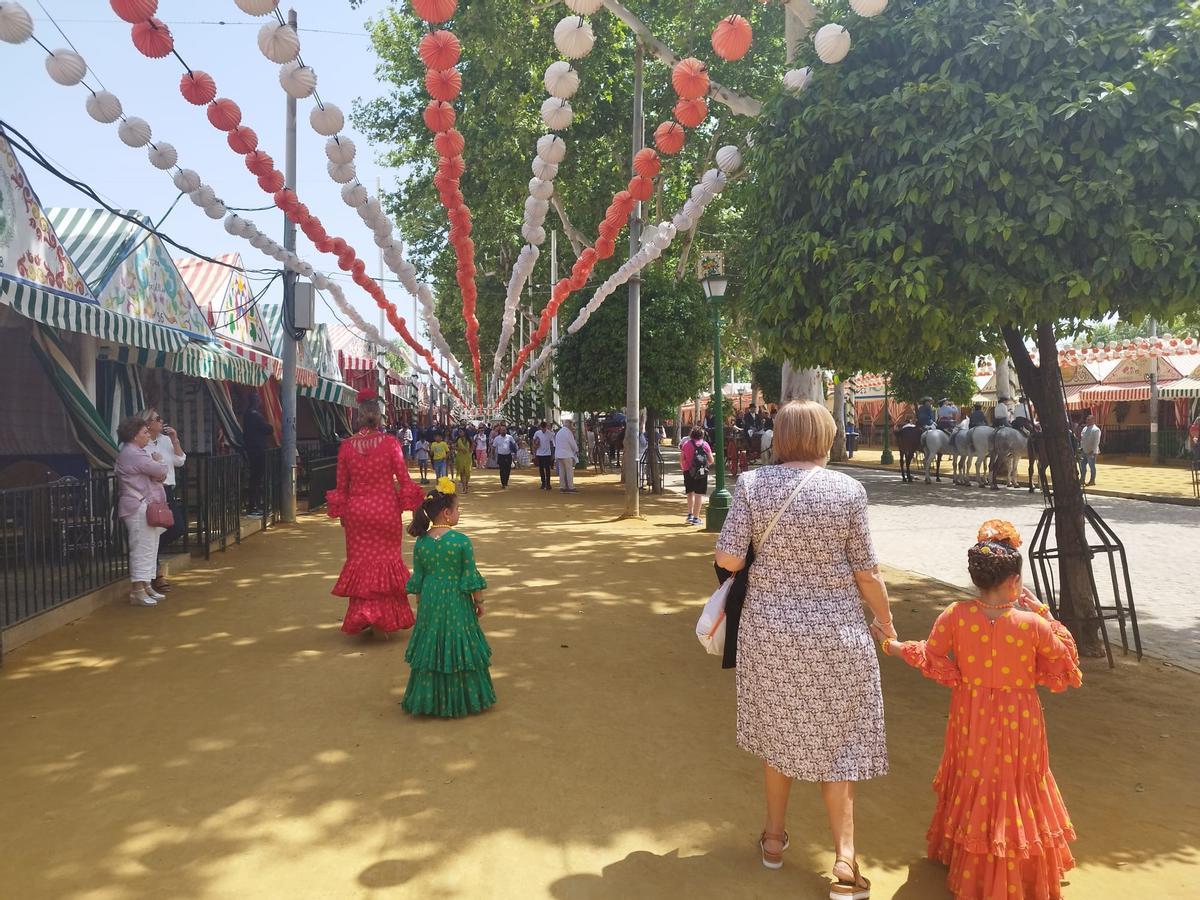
<point>1089,449</point>
<point>505,446</point>
<point>409,440</point>
<point>463,461</point>
<point>140,476</point>
<point>543,452</point>
<point>481,447</point>
<point>373,492</point>
<point>695,459</point>
<point>439,452</point>
<point>565,453</point>
<point>422,454</point>
<point>255,432</point>
<point>164,441</point>
<point>809,702</point>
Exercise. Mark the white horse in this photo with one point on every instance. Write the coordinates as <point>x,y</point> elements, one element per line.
<point>936,443</point>
<point>1008,447</point>
<point>961,449</point>
<point>979,440</point>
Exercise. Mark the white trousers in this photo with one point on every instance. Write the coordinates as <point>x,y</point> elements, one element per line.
<point>566,473</point>
<point>143,545</point>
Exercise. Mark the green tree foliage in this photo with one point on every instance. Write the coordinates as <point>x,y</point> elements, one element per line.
<point>1118,330</point>
<point>768,375</point>
<point>955,380</point>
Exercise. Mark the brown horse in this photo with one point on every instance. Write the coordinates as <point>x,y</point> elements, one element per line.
<point>908,443</point>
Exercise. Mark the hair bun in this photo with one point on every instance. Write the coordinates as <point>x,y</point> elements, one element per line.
<point>999,531</point>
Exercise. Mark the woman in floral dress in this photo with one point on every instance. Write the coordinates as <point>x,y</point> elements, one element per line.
<point>1000,822</point>
<point>373,491</point>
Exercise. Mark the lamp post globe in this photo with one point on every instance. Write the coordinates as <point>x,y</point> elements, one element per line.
<point>720,501</point>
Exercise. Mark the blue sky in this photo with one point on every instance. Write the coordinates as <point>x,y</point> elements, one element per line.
<point>53,117</point>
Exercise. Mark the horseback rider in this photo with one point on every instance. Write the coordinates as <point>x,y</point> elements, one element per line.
<point>947,416</point>
<point>1022,420</point>
<point>978,416</point>
<point>1000,413</point>
<point>925,415</point>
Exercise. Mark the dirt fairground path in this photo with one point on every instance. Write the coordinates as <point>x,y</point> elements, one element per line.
<point>235,744</point>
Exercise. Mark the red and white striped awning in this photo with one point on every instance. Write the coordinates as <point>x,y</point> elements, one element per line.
<point>351,363</point>
<point>354,353</point>
<point>1116,393</point>
<point>273,364</point>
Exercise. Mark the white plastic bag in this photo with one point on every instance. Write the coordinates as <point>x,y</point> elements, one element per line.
<point>710,630</point>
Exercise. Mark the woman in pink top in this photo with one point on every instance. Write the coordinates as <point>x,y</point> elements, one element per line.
<point>695,458</point>
<point>141,475</point>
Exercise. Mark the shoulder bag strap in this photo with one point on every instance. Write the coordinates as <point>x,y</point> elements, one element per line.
<point>791,497</point>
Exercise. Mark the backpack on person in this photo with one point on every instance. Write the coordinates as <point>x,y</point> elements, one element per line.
<point>699,466</point>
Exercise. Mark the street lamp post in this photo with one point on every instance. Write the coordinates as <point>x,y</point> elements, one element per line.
<point>886,458</point>
<point>719,502</point>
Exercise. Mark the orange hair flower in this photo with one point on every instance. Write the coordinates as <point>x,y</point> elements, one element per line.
<point>1000,532</point>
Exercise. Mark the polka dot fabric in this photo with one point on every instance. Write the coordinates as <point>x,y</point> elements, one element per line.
<point>1000,822</point>
<point>373,491</point>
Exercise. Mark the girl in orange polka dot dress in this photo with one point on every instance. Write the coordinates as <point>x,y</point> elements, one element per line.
<point>1000,823</point>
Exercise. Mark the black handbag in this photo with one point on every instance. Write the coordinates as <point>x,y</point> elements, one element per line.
<point>733,606</point>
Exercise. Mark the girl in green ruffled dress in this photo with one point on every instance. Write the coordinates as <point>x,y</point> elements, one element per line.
<point>448,653</point>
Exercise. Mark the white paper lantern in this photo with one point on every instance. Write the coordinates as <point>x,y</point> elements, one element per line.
<point>203,195</point>
<point>696,196</point>
<point>382,240</point>
<point>540,189</point>
<point>552,148</point>
<point>796,80</point>
<point>104,107</point>
<point>535,218</point>
<point>536,206</point>
<point>342,173</point>
<point>729,159</point>
<point>354,195</point>
<point>233,224</point>
<point>584,7</point>
<point>134,132</point>
<point>257,7</point>
<point>297,80</point>
<point>186,180</point>
<point>261,242</point>
<point>832,43</point>
<point>682,221</point>
<point>561,80</point>
<point>327,120</point>
<point>163,155</point>
<point>215,210</point>
<point>557,113</point>
<point>868,9</point>
<point>278,42</point>
<point>16,26</point>
<point>340,149</point>
<point>668,229</point>
<point>303,268</point>
<point>383,227</point>
<point>716,179</point>
<point>371,211</point>
<point>546,171</point>
<point>320,282</point>
<point>66,67</point>
<point>535,234</point>
<point>573,37</point>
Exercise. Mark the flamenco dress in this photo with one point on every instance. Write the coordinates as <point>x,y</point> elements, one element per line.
<point>1000,823</point>
<point>373,491</point>
<point>448,652</point>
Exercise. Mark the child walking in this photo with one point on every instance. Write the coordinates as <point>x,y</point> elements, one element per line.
<point>447,652</point>
<point>439,450</point>
<point>423,459</point>
<point>1000,823</point>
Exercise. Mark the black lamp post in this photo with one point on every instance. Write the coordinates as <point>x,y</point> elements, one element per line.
<point>719,502</point>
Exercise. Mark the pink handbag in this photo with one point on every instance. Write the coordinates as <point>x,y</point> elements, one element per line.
<point>159,514</point>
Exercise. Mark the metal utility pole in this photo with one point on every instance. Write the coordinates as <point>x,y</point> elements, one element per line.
<point>633,353</point>
<point>290,345</point>
<point>382,319</point>
<point>551,398</point>
<point>1154,456</point>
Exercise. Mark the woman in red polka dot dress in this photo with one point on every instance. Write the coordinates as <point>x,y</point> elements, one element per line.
<point>1000,823</point>
<point>373,490</point>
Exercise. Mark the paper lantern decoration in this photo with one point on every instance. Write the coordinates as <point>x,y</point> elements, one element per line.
<point>729,159</point>
<point>556,113</point>
<point>439,116</point>
<point>796,80</point>
<point>691,112</point>
<point>66,67</point>
<point>715,179</point>
<point>134,11</point>
<point>271,182</point>
<point>561,80</point>
<point>536,206</point>
<point>259,163</point>
<point>340,150</point>
<point>439,50</point>
<point>342,173</point>
<point>134,132</point>
<point>453,166</point>
<point>16,27</point>
<point>732,37</point>
<point>235,224</point>
<point>327,120</point>
<point>257,7</point>
<point>573,37</point>
<point>543,190</point>
<point>297,80</point>
<point>443,84</point>
<point>242,139</point>
<point>163,155</point>
<point>552,148</point>
<point>224,114</point>
<point>186,180</point>
<point>203,195</point>
<point>449,143</point>
<point>689,77</point>
<point>434,11</point>
<point>104,107</point>
<point>641,188</point>
<point>198,88</point>
<point>152,38</point>
<point>279,42</point>
<point>669,138</point>
<point>868,9</point>
<point>646,162</point>
<point>832,43</point>
<point>215,210</point>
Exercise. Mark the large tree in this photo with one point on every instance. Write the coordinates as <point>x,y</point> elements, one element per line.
<point>978,174</point>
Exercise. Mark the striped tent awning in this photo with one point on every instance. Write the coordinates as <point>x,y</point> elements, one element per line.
<point>351,363</point>
<point>206,361</point>
<point>1116,393</point>
<point>1072,392</point>
<point>1181,389</point>
<point>85,317</point>
<point>272,365</point>
<point>331,391</point>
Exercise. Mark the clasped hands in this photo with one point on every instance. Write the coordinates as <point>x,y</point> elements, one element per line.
<point>884,632</point>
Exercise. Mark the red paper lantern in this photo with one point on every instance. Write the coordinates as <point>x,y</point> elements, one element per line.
<point>285,199</point>
<point>339,246</point>
<point>359,267</point>
<point>439,116</point>
<point>152,38</point>
<point>588,257</point>
<point>346,259</point>
<point>646,162</point>
<point>449,143</point>
<point>272,182</point>
<point>452,165</point>
<point>669,138</point>
<point>242,140</point>
<point>315,232</point>
<point>578,282</point>
<point>443,84</point>
<point>452,198</point>
<point>689,77</point>
<point>224,114</point>
<point>134,11</point>
<point>324,244</point>
<point>691,112</point>
<point>299,213</point>
<point>259,163</point>
<point>732,37</point>
<point>460,214</point>
<point>641,187</point>
<point>605,247</point>
<point>439,50</point>
<point>434,11</point>
<point>466,247</point>
<point>197,87</point>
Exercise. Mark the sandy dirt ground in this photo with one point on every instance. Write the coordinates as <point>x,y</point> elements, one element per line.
<point>234,744</point>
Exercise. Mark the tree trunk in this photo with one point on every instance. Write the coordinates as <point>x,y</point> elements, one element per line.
<point>838,451</point>
<point>652,445</point>
<point>801,384</point>
<point>1043,385</point>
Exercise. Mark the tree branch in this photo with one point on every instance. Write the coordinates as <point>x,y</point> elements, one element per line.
<point>578,239</point>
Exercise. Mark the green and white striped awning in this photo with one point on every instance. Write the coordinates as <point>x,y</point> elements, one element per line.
<point>1181,389</point>
<point>331,391</point>
<point>66,314</point>
<point>209,361</point>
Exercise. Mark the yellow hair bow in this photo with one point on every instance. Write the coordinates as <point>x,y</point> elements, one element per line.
<point>446,486</point>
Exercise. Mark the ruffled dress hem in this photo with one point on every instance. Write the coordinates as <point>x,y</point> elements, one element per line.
<point>380,615</point>
<point>448,695</point>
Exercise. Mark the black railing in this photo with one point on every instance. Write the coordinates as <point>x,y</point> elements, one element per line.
<point>215,491</point>
<point>322,477</point>
<point>58,541</point>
